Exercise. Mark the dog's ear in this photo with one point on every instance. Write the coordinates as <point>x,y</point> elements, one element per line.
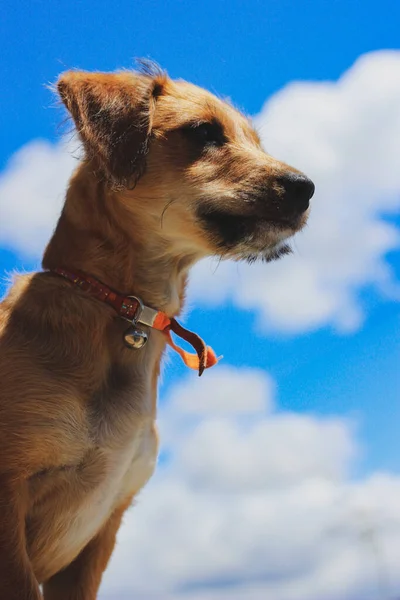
<point>113,115</point>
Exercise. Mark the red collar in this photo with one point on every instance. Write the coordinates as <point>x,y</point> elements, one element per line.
<point>132,309</point>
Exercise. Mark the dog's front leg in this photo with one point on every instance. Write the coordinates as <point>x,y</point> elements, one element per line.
<point>17,580</point>
<point>81,579</point>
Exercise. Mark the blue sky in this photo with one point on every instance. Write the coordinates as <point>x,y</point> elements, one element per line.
<point>247,51</point>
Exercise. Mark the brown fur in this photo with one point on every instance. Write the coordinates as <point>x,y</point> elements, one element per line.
<point>77,408</point>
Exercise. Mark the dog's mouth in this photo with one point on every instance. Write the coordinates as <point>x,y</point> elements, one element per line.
<point>249,237</point>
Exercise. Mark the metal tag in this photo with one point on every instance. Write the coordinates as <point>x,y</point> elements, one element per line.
<point>135,338</point>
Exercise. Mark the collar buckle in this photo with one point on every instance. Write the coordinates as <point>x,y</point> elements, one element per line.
<point>143,315</point>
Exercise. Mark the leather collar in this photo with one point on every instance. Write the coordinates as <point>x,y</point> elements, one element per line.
<point>132,309</point>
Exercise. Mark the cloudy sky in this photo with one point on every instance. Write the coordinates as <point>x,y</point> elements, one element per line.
<point>279,474</point>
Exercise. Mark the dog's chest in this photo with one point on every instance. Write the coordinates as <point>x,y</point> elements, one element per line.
<point>123,472</point>
<point>82,498</point>
<point>118,464</point>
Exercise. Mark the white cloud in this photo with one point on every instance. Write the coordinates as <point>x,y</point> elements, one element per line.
<point>229,415</point>
<point>255,505</point>
<point>225,391</point>
<point>32,190</point>
<point>345,135</point>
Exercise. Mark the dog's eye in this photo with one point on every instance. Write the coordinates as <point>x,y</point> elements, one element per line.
<point>205,134</point>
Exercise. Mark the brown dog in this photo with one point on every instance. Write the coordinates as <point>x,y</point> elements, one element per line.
<point>171,174</point>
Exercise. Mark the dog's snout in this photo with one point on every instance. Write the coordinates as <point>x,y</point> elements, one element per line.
<point>298,189</point>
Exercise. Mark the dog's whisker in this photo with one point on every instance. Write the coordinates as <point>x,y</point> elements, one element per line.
<point>169,203</point>
<point>218,262</point>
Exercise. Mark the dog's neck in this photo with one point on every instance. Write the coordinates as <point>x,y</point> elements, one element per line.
<point>98,236</point>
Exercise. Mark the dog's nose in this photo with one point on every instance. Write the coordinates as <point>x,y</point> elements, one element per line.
<point>299,190</point>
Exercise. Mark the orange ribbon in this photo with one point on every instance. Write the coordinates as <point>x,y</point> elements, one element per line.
<point>205,356</point>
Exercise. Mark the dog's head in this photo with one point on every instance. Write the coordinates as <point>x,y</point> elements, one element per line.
<point>189,163</point>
